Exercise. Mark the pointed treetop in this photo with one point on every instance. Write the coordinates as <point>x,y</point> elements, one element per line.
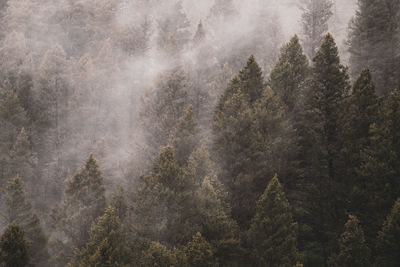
<point>353,248</point>
<point>251,80</point>
<point>200,34</point>
<point>14,247</point>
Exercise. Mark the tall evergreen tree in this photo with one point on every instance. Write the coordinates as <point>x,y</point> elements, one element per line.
<point>353,248</point>
<point>16,208</point>
<point>380,166</point>
<point>289,75</point>
<point>162,107</point>
<point>106,246</point>
<point>360,113</point>
<point>185,137</point>
<point>315,17</point>
<point>14,248</point>
<point>85,201</point>
<point>246,123</point>
<point>272,236</point>
<point>320,146</point>
<point>387,245</point>
<point>374,41</point>
<point>199,252</point>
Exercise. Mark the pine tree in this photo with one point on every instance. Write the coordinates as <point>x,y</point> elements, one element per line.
<point>119,204</point>
<point>380,166</point>
<point>14,248</point>
<point>353,248</point>
<point>289,75</point>
<point>164,205</point>
<point>360,114</point>
<point>245,126</point>
<point>85,201</point>
<point>162,107</point>
<point>319,131</point>
<point>185,137</point>
<point>106,246</point>
<point>374,40</point>
<point>315,17</point>
<point>16,208</point>
<point>387,245</point>
<point>272,236</point>
<point>199,252</point>
<point>159,255</point>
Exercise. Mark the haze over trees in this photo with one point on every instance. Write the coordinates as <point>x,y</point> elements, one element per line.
<point>199,133</point>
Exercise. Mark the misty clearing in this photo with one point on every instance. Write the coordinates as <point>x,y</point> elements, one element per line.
<point>199,133</point>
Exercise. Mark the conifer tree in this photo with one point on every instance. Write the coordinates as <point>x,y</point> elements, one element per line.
<point>119,204</point>
<point>199,252</point>
<point>246,123</point>
<point>16,208</point>
<point>222,10</point>
<point>159,255</point>
<point>164,207</point>
<point>374,41</point>
<point>106,246</point>
<point>162,107</point>
<point>315,17</point>
<point>185,137</point>
<point>289,75</point>
<point>200,34</point>
<point>360,114</point>
<point>353,248</point>
<point>380,166</point>
<point>14,248</point>
<point>85,201</point>
<point>272,236</point>
<point>387,245</point>
<point>319,131</point>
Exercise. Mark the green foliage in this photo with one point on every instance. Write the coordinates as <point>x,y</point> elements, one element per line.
<point>380,166</point>
<point>289,75</point>
<point>159,255</point>
<point>106,246</point>
<point>14,247</point>
<point>387,245</point>
<point>272,236</point>
<point>162,107</point>
<point>199,252</point>
<point>185,137</point>
<point>16,208</point>
<point>248,126</point>
<point>319,131</point>
<point>374,41</point>
<point>119,204</point>
<point>85,201</point>
<point>353,248</point>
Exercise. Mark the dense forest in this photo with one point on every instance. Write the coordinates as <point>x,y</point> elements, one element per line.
<point>199,133</point>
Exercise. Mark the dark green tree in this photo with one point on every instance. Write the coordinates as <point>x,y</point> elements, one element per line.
<point>159,255</point>
<point>374,42</point>
<point>319,131</point>
<point>185,137</point>
<point>387,245</point>
<point>14,248</point>
<point>272,236</point>
<point>85,201</point>
<point>289,75</point>
<point>353,248</point>
<point>199,252</point>
<point>16,208</point>
<point>380,167</point>
<point>106,246</point>
<point>361,111</point>
<point>249,125</point>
